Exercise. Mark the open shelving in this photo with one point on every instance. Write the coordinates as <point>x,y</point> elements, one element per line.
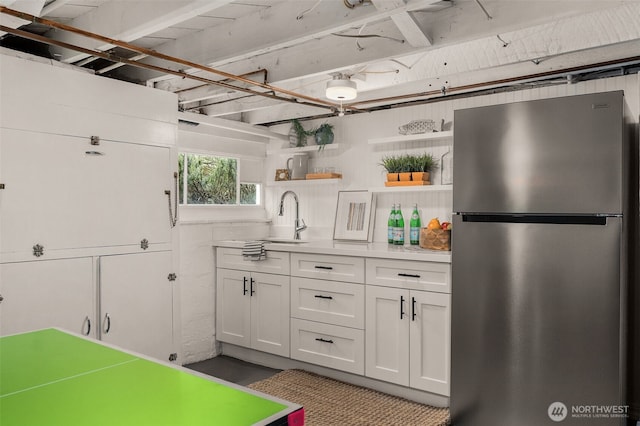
<point>423,188</point>
<point>308,148</point>
<point>410,138</point>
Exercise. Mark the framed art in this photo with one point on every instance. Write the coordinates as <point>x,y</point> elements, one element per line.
<point>355,213</point>
<point>282,174</point>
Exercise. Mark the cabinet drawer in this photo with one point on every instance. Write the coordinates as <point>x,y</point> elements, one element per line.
<point>330,302</point>
<point>409,274</point>
<point>331,346</point>
<point>277,262</point>
<point>328,267</point>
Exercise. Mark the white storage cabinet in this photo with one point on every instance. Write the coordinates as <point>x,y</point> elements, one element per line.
<point>408,329</point>
<point>252,307</point>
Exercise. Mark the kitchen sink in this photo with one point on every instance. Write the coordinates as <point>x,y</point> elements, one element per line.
<point>283,241</point>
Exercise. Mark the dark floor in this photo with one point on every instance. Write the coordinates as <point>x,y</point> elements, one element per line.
<point>233,370</point>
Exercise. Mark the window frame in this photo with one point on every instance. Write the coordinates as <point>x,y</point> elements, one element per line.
<point>182,184</point>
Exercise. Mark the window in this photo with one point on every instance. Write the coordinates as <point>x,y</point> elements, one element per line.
<point>214,180</point>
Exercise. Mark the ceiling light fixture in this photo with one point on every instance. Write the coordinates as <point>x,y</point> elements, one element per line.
<point>341,88</point>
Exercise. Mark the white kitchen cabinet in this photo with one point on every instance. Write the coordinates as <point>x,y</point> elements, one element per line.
<point>252,310</point>
<point>408,337</point>
<point>331,302</point>
<point>136,302</point>
<point>328,267</point>
<point>341,348</point>
<point>52,293</point>
<point>63,193</point>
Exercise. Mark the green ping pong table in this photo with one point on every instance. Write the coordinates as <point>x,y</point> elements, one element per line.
<point>51,377</point>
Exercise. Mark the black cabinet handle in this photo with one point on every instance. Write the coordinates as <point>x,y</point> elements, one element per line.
<point>251,286</point>
<point>401,307</point>
<point>324,267</point>
<point>408,275</point>
<point>320,296</point>
<point>320,339</point>
<point>413,309</point>
<point>244,286</point>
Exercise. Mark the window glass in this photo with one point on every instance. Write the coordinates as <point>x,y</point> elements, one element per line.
<point>213,180</point>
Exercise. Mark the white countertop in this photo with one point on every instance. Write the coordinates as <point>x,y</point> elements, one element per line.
<point>340,248</point>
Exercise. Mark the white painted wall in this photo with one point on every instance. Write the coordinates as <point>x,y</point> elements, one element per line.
<point>358,161</point>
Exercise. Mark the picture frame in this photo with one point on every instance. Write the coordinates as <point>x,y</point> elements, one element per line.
<point>355,213</point>
<point>282,174</point>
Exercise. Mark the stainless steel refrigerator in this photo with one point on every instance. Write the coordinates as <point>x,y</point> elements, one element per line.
<point>544,216</point>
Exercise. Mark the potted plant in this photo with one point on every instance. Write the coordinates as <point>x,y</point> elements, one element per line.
<point>406,164</point>
<point>393,166</point>
<point>323,135</point>
<point>298,135</point>
<point>422,166</point>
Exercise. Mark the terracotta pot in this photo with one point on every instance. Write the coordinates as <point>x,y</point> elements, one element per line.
<point>420,176</point>
<point>405,176</point>
<point>392,177</point>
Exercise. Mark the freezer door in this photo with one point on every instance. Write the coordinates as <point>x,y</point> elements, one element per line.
<point>562,155</point>
<point>535,320</point>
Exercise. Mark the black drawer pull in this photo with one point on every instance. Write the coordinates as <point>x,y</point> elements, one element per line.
<point>408,275</point>
<point>324,267</point>
<point>320,339</point>
<point>319,296</point>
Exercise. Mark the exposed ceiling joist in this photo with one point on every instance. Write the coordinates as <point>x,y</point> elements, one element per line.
<point>129,21</point>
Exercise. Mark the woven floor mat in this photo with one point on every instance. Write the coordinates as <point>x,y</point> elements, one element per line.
<point>331,402</point>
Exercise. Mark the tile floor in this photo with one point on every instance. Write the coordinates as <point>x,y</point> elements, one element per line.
<point>233,370</point>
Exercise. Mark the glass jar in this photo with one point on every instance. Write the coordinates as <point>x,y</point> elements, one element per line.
<point>446,167</point>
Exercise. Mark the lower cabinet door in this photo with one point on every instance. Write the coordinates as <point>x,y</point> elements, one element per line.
<point>48,293</point>
<point>136,302</point>
<point>270,297</point>
<point>233,307</point>
<point>328,345</point>
<point>387,331</point>
<point>430,333</point>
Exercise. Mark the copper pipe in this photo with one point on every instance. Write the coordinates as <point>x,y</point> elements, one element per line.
<point>262,71</point>
<point>535,76</point>
<point>115,58</point>
<point>155,54</point>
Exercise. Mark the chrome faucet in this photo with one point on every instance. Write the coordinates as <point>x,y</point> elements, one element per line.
<point>299,223</point>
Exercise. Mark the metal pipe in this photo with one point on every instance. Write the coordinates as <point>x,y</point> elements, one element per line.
<point>115,58</point>
<point>26,16</point>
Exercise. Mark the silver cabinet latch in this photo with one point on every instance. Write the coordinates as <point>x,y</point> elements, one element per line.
<point>144,244</point>
<point>95,140</point>
<point>38,250</point>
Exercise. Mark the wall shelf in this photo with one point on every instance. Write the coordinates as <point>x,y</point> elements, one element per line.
<point>410,138</point>
<point>424,188</point>
<point>308,148</point>
<point>303,182</point>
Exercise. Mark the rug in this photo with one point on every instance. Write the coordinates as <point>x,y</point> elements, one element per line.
<point>331,402</point>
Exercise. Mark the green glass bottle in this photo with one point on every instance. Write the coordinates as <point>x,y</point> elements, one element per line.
<point>414,227</point>
<point>398,233</point>
<point>391,224</point>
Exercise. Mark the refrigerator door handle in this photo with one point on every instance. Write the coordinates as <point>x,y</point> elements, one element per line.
<point>538,218</point>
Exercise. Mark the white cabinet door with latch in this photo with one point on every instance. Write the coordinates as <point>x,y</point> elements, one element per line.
<point>136,302</point>
<point>61,192</point>
<point>48,293</point>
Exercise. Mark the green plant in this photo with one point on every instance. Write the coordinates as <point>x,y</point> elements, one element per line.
<point>323,135</point>
<point>425,162</point>
<point>301,133</point>
<point>392,164</point>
